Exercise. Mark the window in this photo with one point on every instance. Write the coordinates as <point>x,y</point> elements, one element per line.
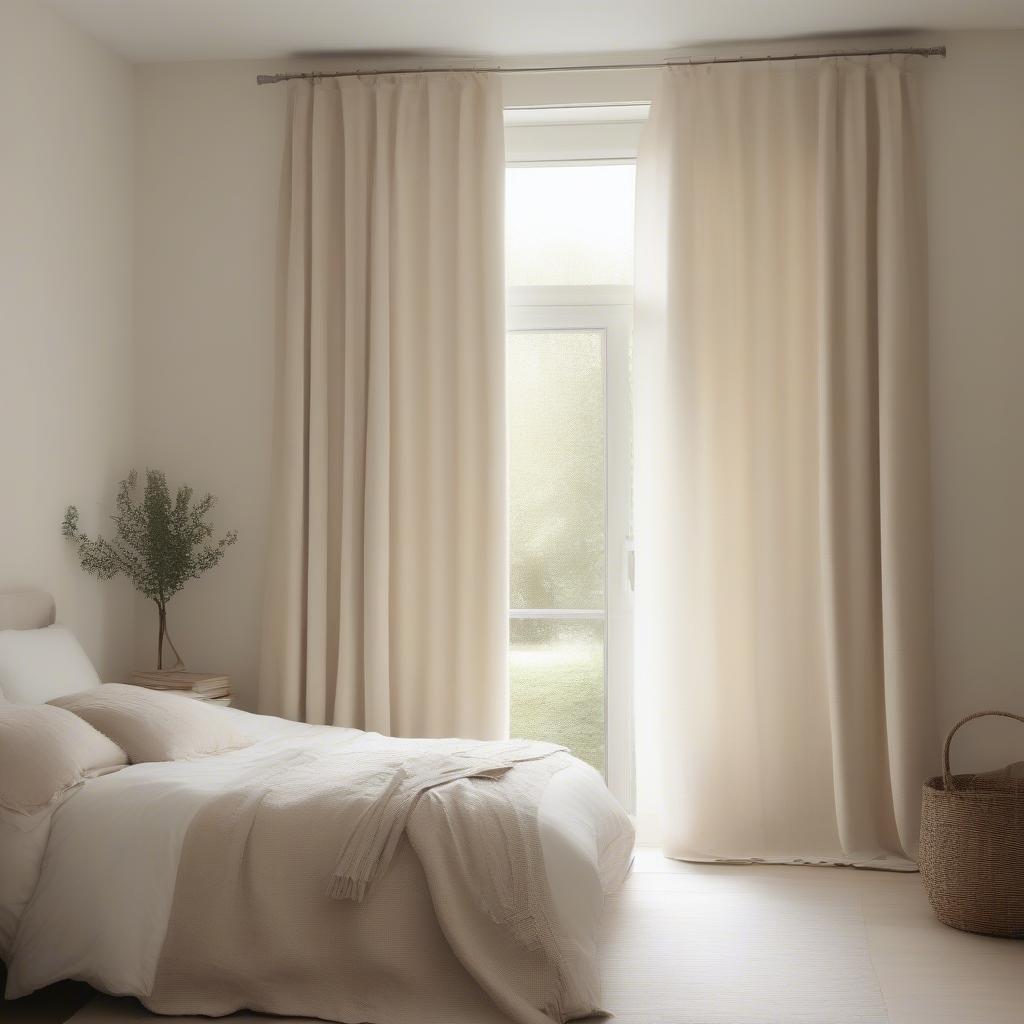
<point>569,235</point>
<point>570,225</point>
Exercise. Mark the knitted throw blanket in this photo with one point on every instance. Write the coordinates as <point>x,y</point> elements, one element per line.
<point>370,847</point>
<point>247,927</point>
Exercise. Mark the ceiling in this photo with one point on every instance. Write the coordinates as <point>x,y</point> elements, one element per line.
<point>153,30</point>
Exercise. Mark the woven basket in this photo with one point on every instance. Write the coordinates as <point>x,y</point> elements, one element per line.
<point>972,847</point>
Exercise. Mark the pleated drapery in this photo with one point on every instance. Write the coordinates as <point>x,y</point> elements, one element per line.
<point>387,586</point>
<point>783,591</point>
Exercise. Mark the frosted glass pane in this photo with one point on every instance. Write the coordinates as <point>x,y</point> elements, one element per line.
<point>556,676</point>
<point>569,225</point>
<point>555,389</point>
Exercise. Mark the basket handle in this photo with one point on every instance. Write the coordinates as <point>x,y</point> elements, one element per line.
<point>947,775</point>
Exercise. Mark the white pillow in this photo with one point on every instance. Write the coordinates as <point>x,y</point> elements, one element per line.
<point>151,726</point>
<point>37,665</point>
<point>45,752</point>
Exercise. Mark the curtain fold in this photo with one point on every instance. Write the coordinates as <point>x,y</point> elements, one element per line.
<point>783,590</point>
<point>387,584</point>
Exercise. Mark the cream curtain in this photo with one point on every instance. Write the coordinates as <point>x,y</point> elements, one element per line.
<point>387,585</point>
<point>782,562</point>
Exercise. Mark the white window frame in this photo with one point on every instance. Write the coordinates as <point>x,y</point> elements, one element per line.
<point>602,127</point>
<point>608,310</point>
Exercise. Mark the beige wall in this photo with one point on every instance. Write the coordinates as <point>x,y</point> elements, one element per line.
<point>207,172</point>
<point>66,357</point>
<point>207,176</point>
<point>974,106</point>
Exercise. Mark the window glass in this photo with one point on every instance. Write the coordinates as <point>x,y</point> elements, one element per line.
<point>556,438</point>
<point>569,225</point>
<point>556,675</point>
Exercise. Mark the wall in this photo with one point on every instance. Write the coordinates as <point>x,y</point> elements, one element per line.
<point>974,116</point>
<point>207,177</point>
<point>208,157</point>
<point>66,367</point>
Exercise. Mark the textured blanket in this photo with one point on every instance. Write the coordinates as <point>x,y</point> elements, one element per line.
<point>371,845</point>
<point>331,873</point>
<point>470,813</point>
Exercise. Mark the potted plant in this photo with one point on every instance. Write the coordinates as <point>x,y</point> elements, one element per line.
<point>160,544</point>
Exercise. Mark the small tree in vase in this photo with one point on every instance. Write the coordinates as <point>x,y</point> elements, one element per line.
<point>160,544</point>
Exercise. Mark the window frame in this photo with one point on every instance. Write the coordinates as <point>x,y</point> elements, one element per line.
<point>607,310</point>
<point>601,128</point>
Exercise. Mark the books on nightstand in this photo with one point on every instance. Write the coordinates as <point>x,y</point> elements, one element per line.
<point>212,688</point>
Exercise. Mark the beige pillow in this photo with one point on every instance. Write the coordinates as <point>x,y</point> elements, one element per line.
<point>44,753</point>
<point>153,726</point>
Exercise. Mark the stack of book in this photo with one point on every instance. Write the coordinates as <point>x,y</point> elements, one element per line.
<point>202,686</point>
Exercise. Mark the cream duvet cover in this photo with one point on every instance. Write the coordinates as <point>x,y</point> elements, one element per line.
<point>205,886</point>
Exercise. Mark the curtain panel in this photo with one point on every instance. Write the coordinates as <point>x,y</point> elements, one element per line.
<point>387,585</point>
<point>783,591</point>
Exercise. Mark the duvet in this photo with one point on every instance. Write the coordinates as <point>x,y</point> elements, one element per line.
<point>325,872</point>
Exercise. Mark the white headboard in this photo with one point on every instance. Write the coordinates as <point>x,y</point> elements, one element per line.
<point>26,609</point>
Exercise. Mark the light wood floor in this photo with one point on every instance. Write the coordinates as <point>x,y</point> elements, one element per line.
<point>710,944</point>
<point>925,972</point>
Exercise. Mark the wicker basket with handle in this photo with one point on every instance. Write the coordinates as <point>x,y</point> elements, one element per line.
<point>972,846</point>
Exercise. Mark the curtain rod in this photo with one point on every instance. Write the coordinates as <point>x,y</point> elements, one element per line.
<point>914,51</point>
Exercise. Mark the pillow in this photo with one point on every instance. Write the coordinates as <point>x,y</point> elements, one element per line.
<point>151,726</point>
<point>44,753</point>
<point>38,664</point>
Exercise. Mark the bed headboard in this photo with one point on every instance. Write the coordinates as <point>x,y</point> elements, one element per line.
<point>26,609</point>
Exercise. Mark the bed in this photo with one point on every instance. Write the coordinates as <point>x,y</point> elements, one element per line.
<point>317,871</point>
